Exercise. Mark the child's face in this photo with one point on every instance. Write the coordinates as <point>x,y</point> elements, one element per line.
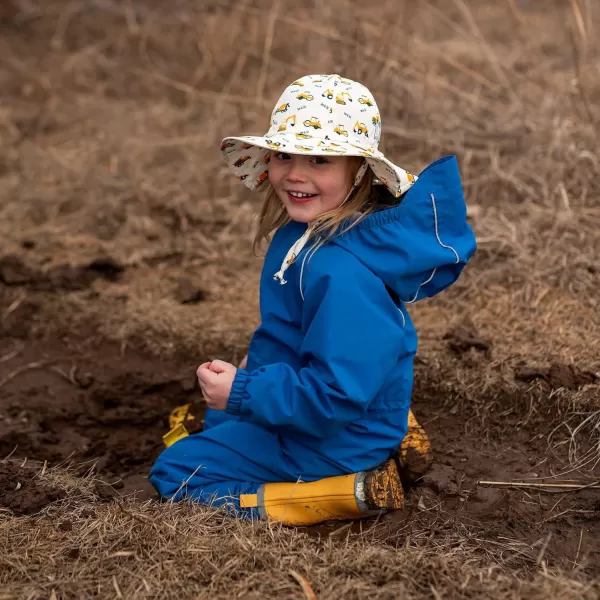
<point>326,180</point>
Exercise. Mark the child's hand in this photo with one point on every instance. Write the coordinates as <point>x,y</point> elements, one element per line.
<point>215,380</point>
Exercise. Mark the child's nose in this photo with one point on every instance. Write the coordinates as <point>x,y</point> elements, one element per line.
<point>296,171</point>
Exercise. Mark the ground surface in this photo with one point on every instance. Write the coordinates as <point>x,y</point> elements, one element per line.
<point>125,262</point>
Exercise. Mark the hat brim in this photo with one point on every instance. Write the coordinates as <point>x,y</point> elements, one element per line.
<point>249,157</point>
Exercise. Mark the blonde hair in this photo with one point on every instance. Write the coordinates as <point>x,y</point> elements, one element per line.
<point>361,203</point>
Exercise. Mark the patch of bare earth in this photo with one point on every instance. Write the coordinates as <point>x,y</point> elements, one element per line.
<point>125,262</point>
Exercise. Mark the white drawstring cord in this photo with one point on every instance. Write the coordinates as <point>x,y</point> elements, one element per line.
<point>291,255</point>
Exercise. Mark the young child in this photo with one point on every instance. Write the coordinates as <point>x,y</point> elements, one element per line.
<point>307,430</point>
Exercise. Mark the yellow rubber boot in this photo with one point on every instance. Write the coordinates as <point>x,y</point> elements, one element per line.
<point>344,497</point>
<point>415,452</point>
<point>183,420</point>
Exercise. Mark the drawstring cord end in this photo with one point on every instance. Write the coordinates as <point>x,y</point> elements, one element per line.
<point>291,256</point>
<point>279,277</point>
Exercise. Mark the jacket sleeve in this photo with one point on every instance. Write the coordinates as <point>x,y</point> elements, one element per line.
<point>353,338</point>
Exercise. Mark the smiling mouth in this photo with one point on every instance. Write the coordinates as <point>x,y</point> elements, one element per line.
<point>300,197</point>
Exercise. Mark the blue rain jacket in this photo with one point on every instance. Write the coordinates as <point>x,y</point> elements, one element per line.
<point>330,368</point>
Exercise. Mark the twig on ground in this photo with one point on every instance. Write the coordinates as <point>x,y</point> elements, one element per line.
<point>10,454</point>
<point>578,548</point>
<point>71,376</point>
<point>13,306</point>
<point>23,369</point>
<point>11,354</point>
<point>138,517</point>
<point>558,487</point>
<point>542,551</point>
<point>306,588</point>
<point>116,586</point>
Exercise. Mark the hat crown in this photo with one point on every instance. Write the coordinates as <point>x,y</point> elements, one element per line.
<point>327,107</point>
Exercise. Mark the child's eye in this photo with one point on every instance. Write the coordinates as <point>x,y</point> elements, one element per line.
<point>282,156</point>
<point>320,160</point>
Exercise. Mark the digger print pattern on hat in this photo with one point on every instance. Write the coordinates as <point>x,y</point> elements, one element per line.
<point>318,115</point>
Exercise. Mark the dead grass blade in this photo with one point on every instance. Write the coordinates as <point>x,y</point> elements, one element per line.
<point>306,588</point>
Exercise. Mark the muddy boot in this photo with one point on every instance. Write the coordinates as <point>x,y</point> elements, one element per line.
<point>414,454</point>
<point>184,420</point>
<point>344,497</point>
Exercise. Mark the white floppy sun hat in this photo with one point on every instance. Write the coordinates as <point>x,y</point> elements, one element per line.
<point>318,115</point>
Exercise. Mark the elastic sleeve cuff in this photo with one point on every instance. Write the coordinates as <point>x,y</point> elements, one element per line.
<point>238,392</point>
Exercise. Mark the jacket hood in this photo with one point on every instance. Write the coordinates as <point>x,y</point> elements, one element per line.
<point>419,247</point>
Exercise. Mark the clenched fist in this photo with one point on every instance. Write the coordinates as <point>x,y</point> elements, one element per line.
<point>215,380</point>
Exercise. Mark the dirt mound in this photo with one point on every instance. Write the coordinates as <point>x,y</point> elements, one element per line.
<point>22,490</point>
<point>465,337</point>
<point>558,376</point>
<point>14,271</point>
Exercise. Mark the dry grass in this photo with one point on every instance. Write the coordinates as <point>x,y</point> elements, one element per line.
<point>127,549</point>
<point>110,119</point>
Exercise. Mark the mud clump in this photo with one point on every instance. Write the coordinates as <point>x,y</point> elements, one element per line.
<point>71,278</point>
<point>14,271</point>
<point>442,480</point>
<point>557,376</point>
<point>190,293</point>
<point>22,492</point>
<point>105,492</point>
<point>465,338</point>
<point>414,466</point>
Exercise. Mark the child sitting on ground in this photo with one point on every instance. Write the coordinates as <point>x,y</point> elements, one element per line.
<point>308,430</point>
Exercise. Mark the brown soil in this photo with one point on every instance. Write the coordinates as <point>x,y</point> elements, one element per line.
<point>558,376</point>
<point>557,526</point>
<point>21,492</point>
<point>103,410</point>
